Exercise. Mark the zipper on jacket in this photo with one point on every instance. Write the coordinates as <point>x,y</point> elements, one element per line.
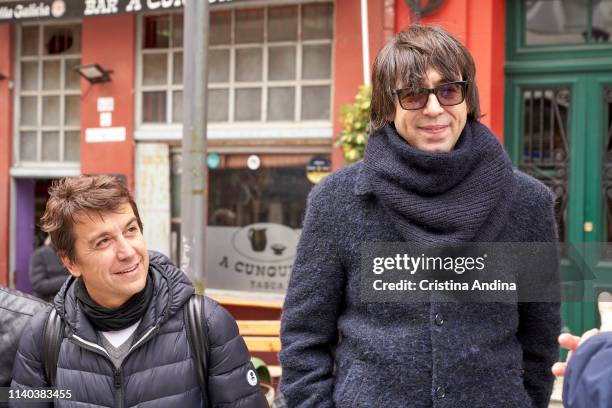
<point>117,384</point>
<point>88,345</point>
<point>117,378</point>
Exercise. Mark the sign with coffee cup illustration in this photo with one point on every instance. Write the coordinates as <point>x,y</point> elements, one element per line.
<point>254,258</point>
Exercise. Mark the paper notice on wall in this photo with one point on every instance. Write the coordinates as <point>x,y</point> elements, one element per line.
<point>153,193</point>
<point>106,104</point>
<point>105,134</point>
<point>106,119</point>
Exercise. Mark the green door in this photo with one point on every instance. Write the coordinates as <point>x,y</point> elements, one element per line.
<point>558,130</point>
<point>598,191</point>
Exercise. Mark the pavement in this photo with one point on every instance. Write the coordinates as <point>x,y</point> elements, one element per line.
<point>555,399</point>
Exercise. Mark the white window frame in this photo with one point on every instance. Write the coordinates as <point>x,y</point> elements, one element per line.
<point>239,130</point>
<point>39,167</point>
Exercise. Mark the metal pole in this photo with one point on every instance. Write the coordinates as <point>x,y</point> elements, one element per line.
<point>365,42</point>
<point>194,170</point>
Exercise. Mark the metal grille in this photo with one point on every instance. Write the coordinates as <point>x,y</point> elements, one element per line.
<point>545,143</point>
<point>606,177</point>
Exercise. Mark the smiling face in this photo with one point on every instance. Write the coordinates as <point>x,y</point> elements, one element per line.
<point>110,256</point>
<point>434,128</point>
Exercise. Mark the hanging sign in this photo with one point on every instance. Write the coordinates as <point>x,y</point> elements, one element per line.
<point>318,168</point>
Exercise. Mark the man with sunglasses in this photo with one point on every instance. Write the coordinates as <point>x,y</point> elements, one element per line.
<point>431,174</point>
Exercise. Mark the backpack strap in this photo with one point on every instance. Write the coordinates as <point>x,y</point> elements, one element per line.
<point>52,341</point>
<point>197,335</point>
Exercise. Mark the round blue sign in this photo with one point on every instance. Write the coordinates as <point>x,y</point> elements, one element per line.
<point>213,160</point>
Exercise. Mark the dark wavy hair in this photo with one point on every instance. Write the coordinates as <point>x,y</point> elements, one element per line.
<point>71,198</point>
<point>403,62</point>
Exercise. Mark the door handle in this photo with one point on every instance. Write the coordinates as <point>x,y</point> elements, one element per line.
<point>588,226</point>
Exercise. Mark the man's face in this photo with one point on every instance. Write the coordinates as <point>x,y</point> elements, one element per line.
<point>433,128</point>
<point>111,256</point>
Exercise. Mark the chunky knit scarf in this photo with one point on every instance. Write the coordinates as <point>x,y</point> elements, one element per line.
<point>457,196</point>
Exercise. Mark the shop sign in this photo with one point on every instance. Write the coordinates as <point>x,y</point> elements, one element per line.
<point>317,169</point>
<point>15,11</point>
<point>213,160</point>
<point>105,134</point>
<point>255,258</point>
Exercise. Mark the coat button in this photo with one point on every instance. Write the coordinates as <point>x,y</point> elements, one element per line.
<point>440,392</point>
<point>439,319</point>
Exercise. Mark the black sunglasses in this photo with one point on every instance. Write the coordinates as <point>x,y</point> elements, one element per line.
<point>448,94</point>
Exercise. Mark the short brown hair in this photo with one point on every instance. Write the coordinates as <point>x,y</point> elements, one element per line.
<point>403,62</point>
<point>70,198</point>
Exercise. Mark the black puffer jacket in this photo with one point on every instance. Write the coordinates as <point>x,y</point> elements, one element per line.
<point>16,310</point>
<point>159,370</point>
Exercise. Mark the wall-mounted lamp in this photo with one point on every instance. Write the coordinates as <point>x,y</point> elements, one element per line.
<point>94,73</point>
<point>2,76</point>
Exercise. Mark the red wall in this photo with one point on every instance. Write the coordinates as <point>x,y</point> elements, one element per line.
<point>480,25</point>
<point>6,119</point>
<point>348,67</point>
<point>109,42</point>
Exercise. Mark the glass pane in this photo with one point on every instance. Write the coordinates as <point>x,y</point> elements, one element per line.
<point>51,74</point>
<point>281,103</point>
<point>73,110</point>
<point>50,146</point>
<point>248,64</point>
<point>177,106</point>
<point>62,40</point>
<point>249,26</point>
<point>29,40</point>
<point>282,23</point>
<point>72,79</point>
<point>555,22</point>
<point>248,104</point>
<point>154,106</point>
<point>275,193</point>
<point>29,76</point>
<point>218,70</point>
<point>218,101</point>
<point>315,102</point>
<point>177,69</point>
<point>602,21</point>
<point>50,110</point>
<point>545,143</point>
<point>28,110</point>
<point>282,63</point>
<point>316,62</point>
<point>317,21</point>
<point>220,27</point>
<point>156,32</point>
<point>27,146</point>
<point>177,30</point>
<point>72,146</point>
<point>154,69</point>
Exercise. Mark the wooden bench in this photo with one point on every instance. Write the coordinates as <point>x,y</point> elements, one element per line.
<point>262,336</point>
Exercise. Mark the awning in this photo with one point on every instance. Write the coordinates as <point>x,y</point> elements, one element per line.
<point>18,11</point>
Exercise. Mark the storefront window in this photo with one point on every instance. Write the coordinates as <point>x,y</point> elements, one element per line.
<point>270,64</point>
<point>254,219</point>
<point>48,91</point>
<point>567,21</point>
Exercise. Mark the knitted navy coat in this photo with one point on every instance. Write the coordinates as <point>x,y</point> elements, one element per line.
<point>159,370</point>
<point>339,351</point>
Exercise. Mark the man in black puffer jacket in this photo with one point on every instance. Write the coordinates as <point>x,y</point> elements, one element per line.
<point>16,310</point>
<point>125,342</point>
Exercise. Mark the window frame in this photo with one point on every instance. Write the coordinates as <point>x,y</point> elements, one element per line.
<point>233,129</point>
<point>39,166</point>
<point>518,50</point>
